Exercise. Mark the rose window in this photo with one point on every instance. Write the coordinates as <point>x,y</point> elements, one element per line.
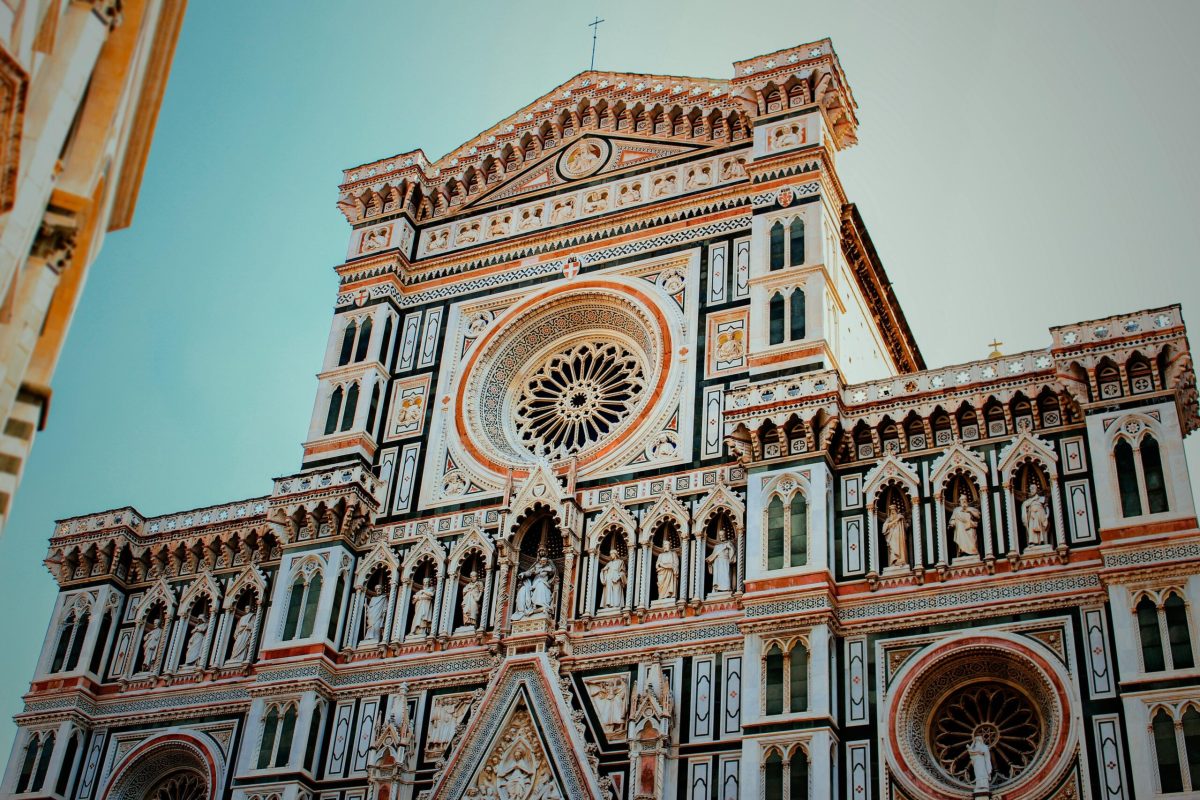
<point>1005,719</point>
<point>1008,693</point>
<point>586,374</point>
<point>577,397</point>
<point>179,786</point>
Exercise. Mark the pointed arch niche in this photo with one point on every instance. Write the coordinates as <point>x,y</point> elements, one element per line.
<point>960,473</point>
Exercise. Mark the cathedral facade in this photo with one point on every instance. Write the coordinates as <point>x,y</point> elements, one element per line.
<point>626,479</point>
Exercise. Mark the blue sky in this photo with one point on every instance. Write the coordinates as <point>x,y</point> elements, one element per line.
<point>1020,165</point>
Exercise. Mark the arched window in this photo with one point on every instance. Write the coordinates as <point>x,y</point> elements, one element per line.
<point>385,346</point>
<point>1191,744</point>
<point>335,411</point>
<point>287,728</point>
<point>314,737</point>
<point>1178,632</point>
<point>64,643</point>
<point>798,530</point>
<point>773,776</point>
<point>797,322</point>
<point>777,257</point>
<point>774,681</point>
<point>266,747</point>
<point>798,781</point>
<point>80,634</point>
<point>347,343</point>
<point>312,596</point>
<point>796,243</point>
<point>785,674</point>
<point>1127,482</point>
<point>68,766</point>
<point>364,340</point>
<point>776,313</point>
<point>1152,472</point>
<point>775,533</point>
<point>27,764</point>
<point>1166,753</point>
<point>1151,638</point>
<point>94,665</point>
<point>351,406</point>
<point>798,679</point>
<point>43,765</point>
<point>291,620</point>
<point>339,589</point>
<point>372,407</point>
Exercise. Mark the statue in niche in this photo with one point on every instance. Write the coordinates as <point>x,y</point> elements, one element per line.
<point>472,596</point>
<point>964,523</point>
<point>733,168</point>
<point>374,239</point>
<point>468,234</point>
<point>375,612</point>
<point>150,643</point>
<point>448,714</point>
<point>530,218</point>
<point>438,241</point>
<point>195,643</point>
<point>895,529</point>
<point>612,578</point>
<point>666,569</point>
<point>789,136</point>
<point>981,763</point>
<point>609,697</point>
<point>730,344</point>
<point>242,633</point>
<point>500,225</point>
<point>535,594</point>
<point>720,563</point>
<point>1035,516</point>
<point>423,609</point>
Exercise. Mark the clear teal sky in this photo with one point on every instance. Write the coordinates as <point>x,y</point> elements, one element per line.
<point>1021,165</point>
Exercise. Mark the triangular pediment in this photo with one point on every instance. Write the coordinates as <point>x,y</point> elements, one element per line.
<point>581,158</point>
<point>522,743</point>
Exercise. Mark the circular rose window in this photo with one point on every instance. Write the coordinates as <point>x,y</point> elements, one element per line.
<point>998,691</point>
<point>567,374</point>
<point>1003,717</point>
<point>576,397</point>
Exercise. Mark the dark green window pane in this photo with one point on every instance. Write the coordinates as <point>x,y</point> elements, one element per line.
<point>1152,646</point>
<point>1131,502</point>
<point>775,534</point>
<point>774,696</point>
<point>1166,750</point>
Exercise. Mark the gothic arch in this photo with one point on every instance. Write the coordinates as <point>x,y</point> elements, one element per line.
<point>174,750</point>
<point>429,548</point>
<point>252,579</point>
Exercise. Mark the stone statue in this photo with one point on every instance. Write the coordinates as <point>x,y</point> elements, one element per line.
<point>242,633</point>
<point>964,523</point>
<point>612,578</point>
<point>524,602</point>
<point>375,612</point>
<point>981,763</point>
<point>423,609</point>
<point>542,594</point>
<point>150,643</point>
<point>894,530</point>
<point>447,715</point>
<point>666,568</point>
<point>1035,516</point>
<point>609,697</point>
<point>535,592</point>
<point>195,643</point>
<point>720,563</point>
<point>472,596</point>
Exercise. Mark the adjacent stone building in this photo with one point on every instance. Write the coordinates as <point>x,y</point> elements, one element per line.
<point>80,88</point>
<point>626,479</point>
